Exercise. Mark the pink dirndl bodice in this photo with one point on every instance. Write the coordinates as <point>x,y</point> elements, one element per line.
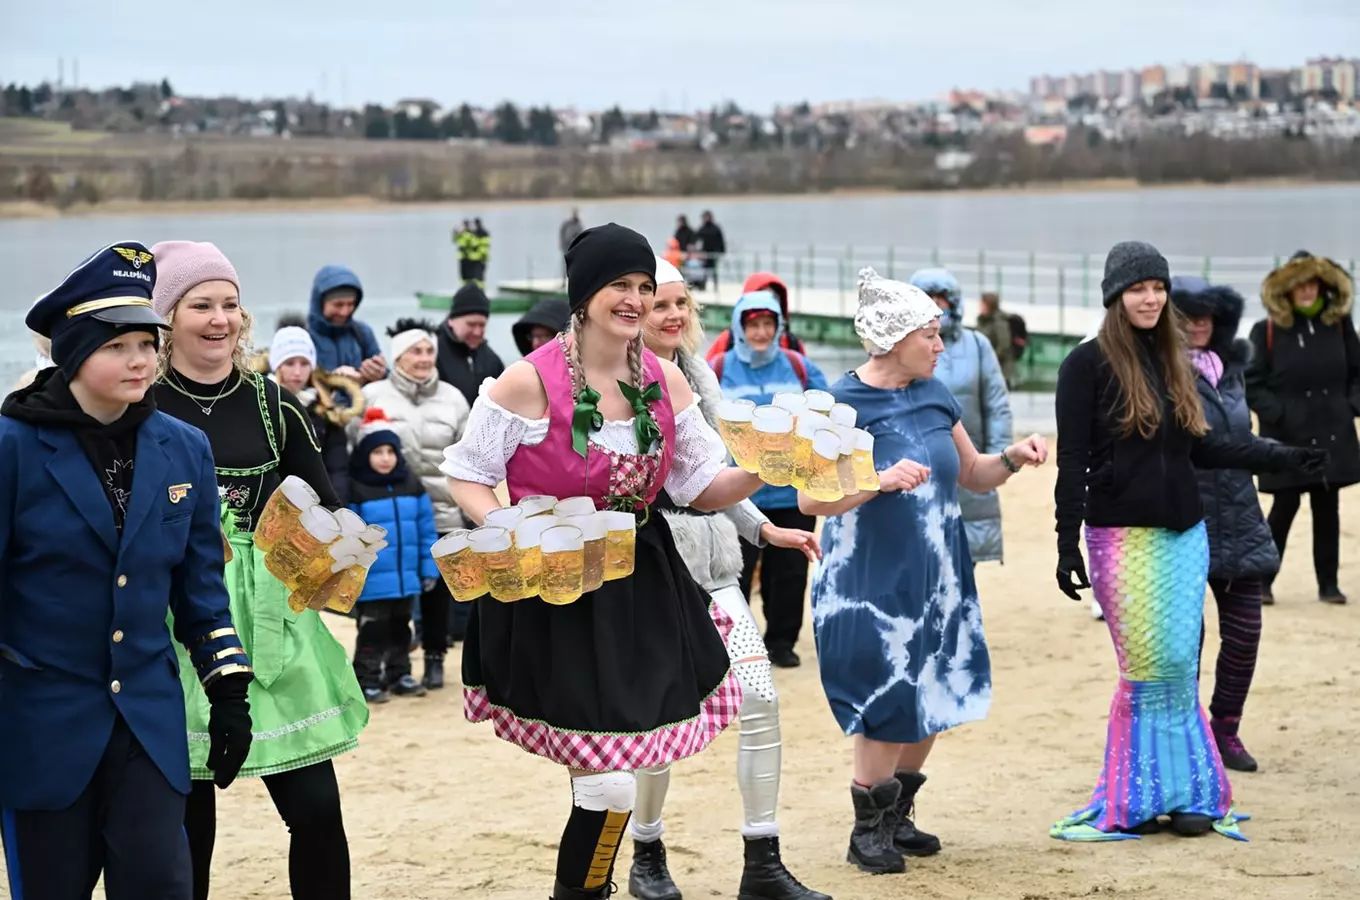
<point>553,467</point>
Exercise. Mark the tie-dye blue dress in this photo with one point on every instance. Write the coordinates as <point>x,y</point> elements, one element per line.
<point>895,609</point>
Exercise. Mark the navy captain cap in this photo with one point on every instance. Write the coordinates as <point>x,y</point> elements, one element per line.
<point>112,285</point>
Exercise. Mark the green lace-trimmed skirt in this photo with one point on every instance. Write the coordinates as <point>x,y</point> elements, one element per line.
<point>305,704</point>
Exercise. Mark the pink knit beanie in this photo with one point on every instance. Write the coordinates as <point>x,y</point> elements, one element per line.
<point>182,265</point>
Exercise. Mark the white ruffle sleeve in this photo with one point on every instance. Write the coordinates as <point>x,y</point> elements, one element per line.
<point>699,456</point>
<point>490,438</point>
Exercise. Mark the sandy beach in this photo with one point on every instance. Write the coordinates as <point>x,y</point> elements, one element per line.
<point>438,808</point>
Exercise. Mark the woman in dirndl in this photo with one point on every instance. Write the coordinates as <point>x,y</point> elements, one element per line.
<point>633,675</point>
<point>306,705</point>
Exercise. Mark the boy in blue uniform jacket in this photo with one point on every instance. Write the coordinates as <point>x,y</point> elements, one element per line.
<point>385,492</point>
<point>108,520</point>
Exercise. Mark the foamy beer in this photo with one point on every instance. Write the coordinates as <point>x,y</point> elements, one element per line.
<point>804,429</point>
<point>459,566</point>
<point>843,414</point>
<point>300,556</point>
<point>823,482</point>
<point>737,432</point>
<point>775,432</point>
<point>845,462</point>
<point>341,591</point>
<point>283,510</point>
<point>594,527</point>
<point>495,550</point>
<point>563,565</point>
<point>866,476</point>
<point>343,553</point>
<point>819,401</point>
<point>506,517</point>
<point>574,506</point>
<point>536,504</point>
<point>620,545</point>
<point>529,550</point>
<point>794,403</point>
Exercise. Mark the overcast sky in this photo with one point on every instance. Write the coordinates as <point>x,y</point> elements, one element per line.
<point>676,55</point>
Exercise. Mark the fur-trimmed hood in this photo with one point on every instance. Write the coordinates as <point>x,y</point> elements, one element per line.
<point>1194,296</point>
<point>1337,288</point>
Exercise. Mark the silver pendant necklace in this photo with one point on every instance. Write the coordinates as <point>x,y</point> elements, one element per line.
<point>206,410</point>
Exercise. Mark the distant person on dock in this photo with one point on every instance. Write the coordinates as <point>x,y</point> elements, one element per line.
<point>543,322</point>
<point>995,326</point>
<point>1304,386</point>
<point>344,345</point>
<point>465,359</point>
<point>756,369</point>
<point>464,242</point>
<point>684,235</point>
<point>713,245</point>
<point>479,252</point>
<point>761,281</point>
<point>969,368</point>
<point>566,233</point>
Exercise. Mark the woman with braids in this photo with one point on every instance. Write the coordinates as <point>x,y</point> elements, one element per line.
<point>1131,431</point>
<point>632,675</point>
<point>710,545</point>
<point>305,702</point>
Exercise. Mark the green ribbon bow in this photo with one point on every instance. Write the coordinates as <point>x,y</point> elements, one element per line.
<point>585,419</point>
<point>643,424</point>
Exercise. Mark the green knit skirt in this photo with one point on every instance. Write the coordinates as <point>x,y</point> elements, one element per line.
<point>306,706</point>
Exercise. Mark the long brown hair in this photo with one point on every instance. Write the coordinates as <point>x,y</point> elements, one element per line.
<point>1141,408</point>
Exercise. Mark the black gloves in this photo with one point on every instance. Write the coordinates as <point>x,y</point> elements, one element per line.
<point>228,726</point>
<point>1072,573</point>
<point>1310,461</point>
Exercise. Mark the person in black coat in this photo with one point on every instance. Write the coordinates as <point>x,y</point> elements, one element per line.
<point>543,322</point>
<point>1304,385</point>
<point>1242,552</point>
<point>464,358</point>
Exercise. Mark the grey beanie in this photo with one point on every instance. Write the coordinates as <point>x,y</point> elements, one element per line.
<point>1130,262</point>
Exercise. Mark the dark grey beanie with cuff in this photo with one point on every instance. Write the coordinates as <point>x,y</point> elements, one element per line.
<point>1130,262</point>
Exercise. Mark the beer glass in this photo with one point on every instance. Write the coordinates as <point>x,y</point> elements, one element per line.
<point>823,482</point>
<point>620,545</point>
<point>845,462</point>
<point>528,548</point>
<point>737,432</point>
<point>563,565</point>
<point>495,550</point>
<point>536,504</point>
<point>459,565</point>
<point>506,517</point>
<point>341,591</point>
<point>794,403</point>
<point>282,511</point>
<point>299,556</point>
<point>574,506</point>
<point>351,523</point>
<point>373,534</point>
<point>866,476</point>
<point>593,527</point>
<point>775,432</point>
<point>843,414</point>
<point>806,426</point>
<point>819,401</point>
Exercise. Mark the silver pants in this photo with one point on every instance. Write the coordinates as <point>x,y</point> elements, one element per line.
<point>759,747</point>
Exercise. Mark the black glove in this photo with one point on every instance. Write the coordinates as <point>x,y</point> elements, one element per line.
<point>228,726</point>
<point>1071,564</point>
<point>1310,461</point>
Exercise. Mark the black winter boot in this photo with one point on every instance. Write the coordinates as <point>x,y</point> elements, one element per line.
<point>765,877</point>
<point>871,841</point>
<point>910,840</point>
<point>649,878</point>
<point>433,678</point>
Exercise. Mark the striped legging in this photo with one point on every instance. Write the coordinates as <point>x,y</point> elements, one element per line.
<point>1239,631</point>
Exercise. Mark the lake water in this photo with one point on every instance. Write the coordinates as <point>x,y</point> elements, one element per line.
<point>399,251</point>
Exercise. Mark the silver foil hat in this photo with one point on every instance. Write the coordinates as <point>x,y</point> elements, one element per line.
<point>890,310</point>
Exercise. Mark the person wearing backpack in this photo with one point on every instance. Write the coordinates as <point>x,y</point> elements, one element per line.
<point>1303,383</point>
<point>757,368</point>
<point>760,281</point>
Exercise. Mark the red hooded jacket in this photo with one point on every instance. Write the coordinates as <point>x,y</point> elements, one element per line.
<point>760,281</point>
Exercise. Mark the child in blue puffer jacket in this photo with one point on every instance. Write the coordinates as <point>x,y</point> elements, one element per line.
<point>385,492</point>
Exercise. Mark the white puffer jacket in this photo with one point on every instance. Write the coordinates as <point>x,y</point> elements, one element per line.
<point>427,417</point>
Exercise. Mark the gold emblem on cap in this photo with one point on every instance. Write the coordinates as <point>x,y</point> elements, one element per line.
<point>95,305</point>
<point>138,258</point>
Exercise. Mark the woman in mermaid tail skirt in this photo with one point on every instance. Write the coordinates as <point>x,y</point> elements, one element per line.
<point>1131,431</point>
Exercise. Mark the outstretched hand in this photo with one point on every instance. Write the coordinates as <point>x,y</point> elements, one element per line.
<point>1032,451</point>
<point>792,539</point>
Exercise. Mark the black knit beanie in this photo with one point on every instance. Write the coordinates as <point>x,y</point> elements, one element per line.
<point>1130,262</point>
<point>601,254</point>
<point>72,346</point>
<point>469,301</point>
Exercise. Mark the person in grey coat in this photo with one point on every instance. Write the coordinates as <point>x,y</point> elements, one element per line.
<point>969,368</point>
<point>1242,554</point>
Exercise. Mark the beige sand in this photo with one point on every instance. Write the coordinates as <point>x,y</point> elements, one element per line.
<point>439,808</point>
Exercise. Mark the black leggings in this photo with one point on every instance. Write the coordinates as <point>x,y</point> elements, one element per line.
<point>1239,632</point>
<point>308,800</point>
<point>1325,504</point>
<point>783,580</point>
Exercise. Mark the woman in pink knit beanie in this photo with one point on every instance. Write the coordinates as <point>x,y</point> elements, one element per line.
<point>306,706</point>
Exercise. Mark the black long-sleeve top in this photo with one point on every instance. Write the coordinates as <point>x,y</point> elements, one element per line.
<point>1108,480</point>
<point>260,434</point>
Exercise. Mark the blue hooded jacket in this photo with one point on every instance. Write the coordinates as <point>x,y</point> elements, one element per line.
<point>339,345</point>
<point>969,368</point>
<point>749,375</point>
